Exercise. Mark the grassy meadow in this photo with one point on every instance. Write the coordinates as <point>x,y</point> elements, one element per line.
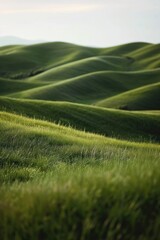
<point>79,142</point>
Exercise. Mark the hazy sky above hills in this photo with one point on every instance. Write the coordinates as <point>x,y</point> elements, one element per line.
<point>86,22</point>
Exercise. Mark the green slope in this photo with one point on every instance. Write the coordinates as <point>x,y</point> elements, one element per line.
<point>81,67</point>
<point>12,124</point>
<point>24,61</point>
<point>143,98</point>
<point>79,171</point>
<point>112,123</point>
<point>53,185</point>
<point>91,88</point>
<point>67,72</point>
<point>106,77</point>
<point>8,86</point>
<point>141,55</point>
<point>86,89</point>
<point>149,57</point>
<point>126,49</point>
<point>33,143</point>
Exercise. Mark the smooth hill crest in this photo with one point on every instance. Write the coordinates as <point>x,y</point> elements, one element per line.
<point>76,86</point>
<point>67,72</point>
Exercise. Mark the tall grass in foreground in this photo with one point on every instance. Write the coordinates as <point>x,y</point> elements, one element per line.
<point>86,199</point>
<point>57,183</point>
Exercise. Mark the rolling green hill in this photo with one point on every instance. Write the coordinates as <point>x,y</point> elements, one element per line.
<point>66,72</point>
<point>112,123</point>
<point>143,98</point>
<point>79,142</point>
<point>91,88</point>
<point>23,61</point>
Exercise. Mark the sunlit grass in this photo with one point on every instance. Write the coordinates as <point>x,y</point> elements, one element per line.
<point>72,171</point>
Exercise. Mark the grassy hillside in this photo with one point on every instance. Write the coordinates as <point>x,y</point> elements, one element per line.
<point>77,161</point>
<point>10,87</point>
<point>20,61</point>
<point>143,98</point>
<point>67,72</point>
<point>90,88</point>
<point>23,61</point>
<point>138,126</point>
<point>75,177</point>
<point>40,145</point>
<point>81,67</point>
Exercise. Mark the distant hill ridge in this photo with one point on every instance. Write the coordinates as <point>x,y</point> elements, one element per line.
<point>108,77</point>
<point>12,40</point>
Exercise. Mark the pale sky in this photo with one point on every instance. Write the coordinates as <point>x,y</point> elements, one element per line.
<point>87,22</point>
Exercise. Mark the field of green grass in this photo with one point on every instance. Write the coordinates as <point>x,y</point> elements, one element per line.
<point>79,142</point>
